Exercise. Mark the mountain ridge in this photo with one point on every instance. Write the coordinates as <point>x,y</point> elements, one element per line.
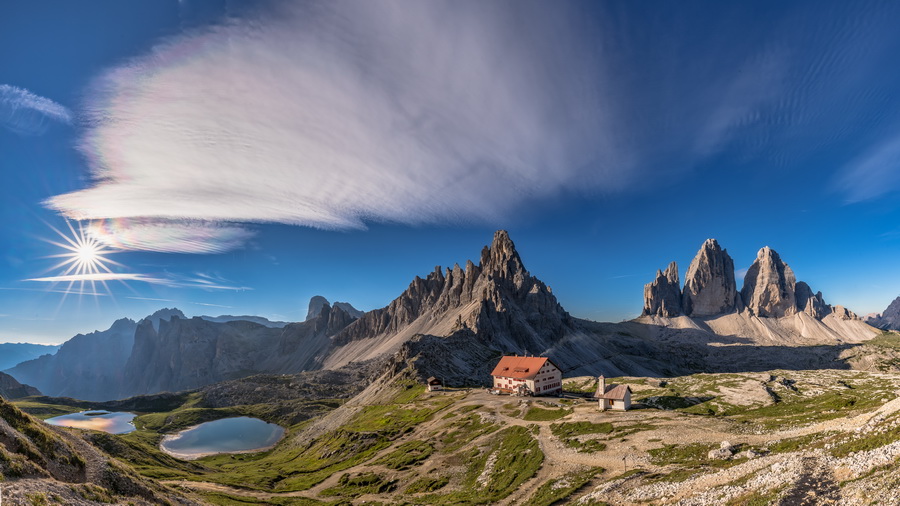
<point>456,320</point>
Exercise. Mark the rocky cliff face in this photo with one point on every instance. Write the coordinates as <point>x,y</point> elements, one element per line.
<point>843,313</point>
<point>497,299</point>
<point>12,389</point>
<point>317,303</point>
<point>889,319</point>
<point>662,297</point>
<point>185,354</point>
<point>91,366</point>
<point>809,303</point>
<point>770,289</point>
<point>709,287</point>
<point>190,353</point>
<point>88,366</point>
<point>769,286</point>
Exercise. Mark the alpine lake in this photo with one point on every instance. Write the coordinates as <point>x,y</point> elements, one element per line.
<point>228,435</point>
<point>106,421</point>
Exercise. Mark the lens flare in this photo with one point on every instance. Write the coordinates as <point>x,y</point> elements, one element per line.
<point>84,260</point>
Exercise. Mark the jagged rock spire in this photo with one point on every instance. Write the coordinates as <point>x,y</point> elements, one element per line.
<point>709,287</point>
<point>503,302</point>
<point>501,258</point>
<point>662,296</point>
<point>809,303</point>
<point>769,286</point>
<point>316,303</point>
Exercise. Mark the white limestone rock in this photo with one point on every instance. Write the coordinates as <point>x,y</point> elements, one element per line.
<point>709,287</point>
<point>769,286</point>
<point>809,303</point>
<point>662,297</point>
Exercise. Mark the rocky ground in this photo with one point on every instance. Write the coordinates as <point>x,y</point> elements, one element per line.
<point>779,437</point>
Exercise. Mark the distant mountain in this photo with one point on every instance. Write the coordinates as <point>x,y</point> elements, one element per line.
<point>889,319</point>
<point>88,366</point>
<point>190,353</point>
<point>13,353</point>
<point>317,302</point>
<point>247,318</point>
<point>12,389</point>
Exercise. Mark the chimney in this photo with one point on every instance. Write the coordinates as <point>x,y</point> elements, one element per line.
<point>601,385</point>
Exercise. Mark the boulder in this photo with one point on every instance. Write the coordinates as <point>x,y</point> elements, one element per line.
<point>747,454</point>
<point>719,454</point>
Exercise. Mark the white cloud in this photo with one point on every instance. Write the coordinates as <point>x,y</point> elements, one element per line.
<point>26,113</point>
<point>874,174</point>
<point>181,236</point>
<point>333,114</point>
<point>170,280</point>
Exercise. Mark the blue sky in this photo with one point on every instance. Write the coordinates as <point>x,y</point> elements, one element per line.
<point>240,157</point>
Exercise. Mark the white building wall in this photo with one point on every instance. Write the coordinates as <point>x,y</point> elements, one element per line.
<point>547,375</point>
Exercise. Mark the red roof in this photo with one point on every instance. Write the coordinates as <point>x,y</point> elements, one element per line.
<point>519,367</point>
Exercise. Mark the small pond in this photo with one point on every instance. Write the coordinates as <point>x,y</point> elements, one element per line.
<point>106,421</point>
<point>229,435</point>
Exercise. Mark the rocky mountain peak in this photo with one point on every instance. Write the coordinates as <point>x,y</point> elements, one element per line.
<point>809,303</point>
<point>769,286</point>
<point>498,300</point>
<point>501,258</point>
<point>316,303</point>
<point>662,296</point>
<point>844,313</point>
<point>164,314</point>
<point>709,287</point>
<point>889,319</point>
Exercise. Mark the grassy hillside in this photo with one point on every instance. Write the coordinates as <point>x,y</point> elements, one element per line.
<point>406,445</point>
<point>41,465</point>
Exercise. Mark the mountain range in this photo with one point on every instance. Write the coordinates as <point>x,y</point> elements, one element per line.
<point>14,353</point>
<point>889,319</point>
<point>456,321</point>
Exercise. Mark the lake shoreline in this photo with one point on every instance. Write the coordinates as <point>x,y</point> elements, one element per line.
<point>182,455</point>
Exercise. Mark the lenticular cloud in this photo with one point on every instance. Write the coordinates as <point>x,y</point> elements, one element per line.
<point>347,112</point>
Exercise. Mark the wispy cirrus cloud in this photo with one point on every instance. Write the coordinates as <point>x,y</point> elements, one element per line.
<point>198,280</point>
<point>24,112</point>
<point>180,302</point>
<point>334,114</point>
<point>872,175</point>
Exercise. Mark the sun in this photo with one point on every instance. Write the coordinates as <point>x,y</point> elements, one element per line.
<point>89,254</point>
<point>84,259</point>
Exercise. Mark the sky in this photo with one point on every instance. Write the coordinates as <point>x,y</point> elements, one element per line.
<point>230,157</point>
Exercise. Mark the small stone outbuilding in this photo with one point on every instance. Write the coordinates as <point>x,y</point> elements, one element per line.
<point>612,396</point>
<point>434,384</point>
